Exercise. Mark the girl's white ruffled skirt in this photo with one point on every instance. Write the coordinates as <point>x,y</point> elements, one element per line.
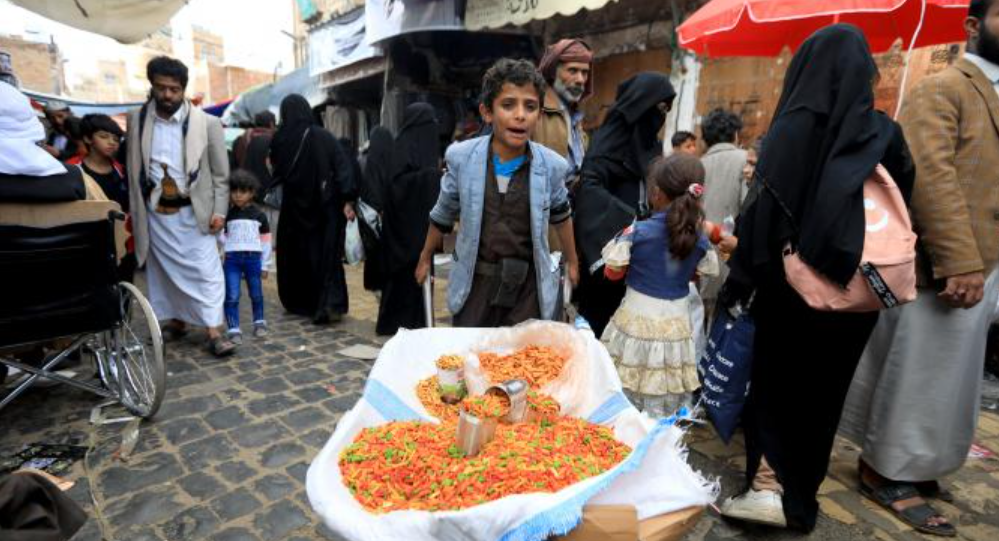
<point>652,343</point>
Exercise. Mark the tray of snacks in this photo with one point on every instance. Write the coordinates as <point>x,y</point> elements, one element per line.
<point>520,433</point>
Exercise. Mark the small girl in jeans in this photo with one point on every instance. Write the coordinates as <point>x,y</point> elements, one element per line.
<point>246,240</point>
<point>650,336</point>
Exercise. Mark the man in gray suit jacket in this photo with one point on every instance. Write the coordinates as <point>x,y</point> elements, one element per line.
<point>178,172</point>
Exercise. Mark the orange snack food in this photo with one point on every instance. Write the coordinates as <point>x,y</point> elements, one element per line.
<point>542,405</point>
<point>450,362</point>
<point>429,394</point>
<point>416,465</point>
<point>488,406</point>
<point>537,365</point>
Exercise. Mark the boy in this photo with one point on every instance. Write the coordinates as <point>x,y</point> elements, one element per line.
<point>246,239</point>
<point>684,142</point>
<point>102,137</point>
<point>506,190</point>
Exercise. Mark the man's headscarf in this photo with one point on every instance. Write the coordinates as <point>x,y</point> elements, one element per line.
<point>567,50</point>
<point>20,129</point>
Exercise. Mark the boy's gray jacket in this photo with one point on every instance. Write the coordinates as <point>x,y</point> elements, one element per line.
<point>462,197</point>
<point>205,160</point>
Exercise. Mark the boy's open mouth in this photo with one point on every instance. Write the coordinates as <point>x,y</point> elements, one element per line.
<point>519,132</point>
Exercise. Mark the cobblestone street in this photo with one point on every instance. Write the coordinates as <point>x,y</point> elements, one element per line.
<point>226,458</point>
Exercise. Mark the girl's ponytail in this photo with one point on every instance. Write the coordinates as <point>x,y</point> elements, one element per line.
<point>679,176</point>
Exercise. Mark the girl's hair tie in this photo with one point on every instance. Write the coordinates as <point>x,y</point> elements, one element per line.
<point>695,190</point>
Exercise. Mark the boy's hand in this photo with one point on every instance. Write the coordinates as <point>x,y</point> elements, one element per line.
<point>348,212</point>
<point>422,270</point>
<point>573,269</point>
<point>264,274</point>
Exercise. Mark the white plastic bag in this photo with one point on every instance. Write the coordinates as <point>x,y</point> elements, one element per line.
<point>655,478</point>
<point>352,246</point>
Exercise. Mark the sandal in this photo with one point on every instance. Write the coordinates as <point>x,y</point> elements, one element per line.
<point>933,489</point>
<point>917,516</point>
<point>220,347</point>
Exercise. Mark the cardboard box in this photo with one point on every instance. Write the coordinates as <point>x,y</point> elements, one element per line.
<point>620,523</point>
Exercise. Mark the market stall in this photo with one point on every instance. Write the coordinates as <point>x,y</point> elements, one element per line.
<point>543,443</point>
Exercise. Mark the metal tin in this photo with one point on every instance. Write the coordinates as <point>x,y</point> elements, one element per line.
<point>516,391</point>
<point>474,433</point>
<point>451,385</point>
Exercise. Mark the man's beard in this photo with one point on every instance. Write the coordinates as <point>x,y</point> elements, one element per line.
<point>988,44</point>
<point>569,94</point>
<point>168,108</point>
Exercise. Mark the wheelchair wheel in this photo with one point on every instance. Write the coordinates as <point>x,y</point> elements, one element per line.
<point>135,356</point>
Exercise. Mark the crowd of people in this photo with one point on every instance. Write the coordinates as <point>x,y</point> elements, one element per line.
<point>637,231</point>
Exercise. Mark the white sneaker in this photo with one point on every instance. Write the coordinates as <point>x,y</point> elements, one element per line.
<point>759,507</point>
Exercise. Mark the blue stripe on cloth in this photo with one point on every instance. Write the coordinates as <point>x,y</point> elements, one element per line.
<point>609,409</point>
<point>388,404</point>
<point>564,517</point>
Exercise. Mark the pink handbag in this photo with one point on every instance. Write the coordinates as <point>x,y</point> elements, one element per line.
<point>887,274</point>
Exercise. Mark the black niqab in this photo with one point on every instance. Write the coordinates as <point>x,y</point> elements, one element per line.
<point>825,140</point>
<point>409,196</point>
<point>377,167</point>
<point>296,118</point>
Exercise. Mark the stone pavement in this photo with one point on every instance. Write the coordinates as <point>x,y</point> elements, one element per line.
<point>225,459</point>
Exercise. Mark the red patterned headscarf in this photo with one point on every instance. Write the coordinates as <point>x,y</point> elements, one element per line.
<point>567,50</point>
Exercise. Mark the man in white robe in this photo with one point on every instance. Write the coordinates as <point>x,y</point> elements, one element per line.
<point>177,170</point>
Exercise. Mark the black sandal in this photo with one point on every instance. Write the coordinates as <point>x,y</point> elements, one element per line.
<point>916,516</point>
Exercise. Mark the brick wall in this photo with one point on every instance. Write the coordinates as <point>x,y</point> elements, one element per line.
<point>229,81</point>
<point>35,64</point>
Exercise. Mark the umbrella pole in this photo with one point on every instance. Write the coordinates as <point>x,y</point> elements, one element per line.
<point>908,57</point>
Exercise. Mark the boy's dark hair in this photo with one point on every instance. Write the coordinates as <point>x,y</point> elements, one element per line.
<point>682,137</point>
<point>979,8</point>
<point>167,67</point>
<point>241,179</point>
<point>264,119</point>
<point>93,123</point>
<point>516,72</point>
<point>720,126</point>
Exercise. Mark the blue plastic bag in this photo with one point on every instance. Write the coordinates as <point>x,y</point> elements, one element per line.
<point>725,369</point>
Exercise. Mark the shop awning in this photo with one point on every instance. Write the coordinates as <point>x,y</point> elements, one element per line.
<point>482,14</point>
<point>339,43</point>
<point>127,21</point>
<point>386,19</point>
<point>268,97</point>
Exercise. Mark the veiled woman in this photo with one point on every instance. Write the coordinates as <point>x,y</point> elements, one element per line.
<point>407,199</point>
<point>318,196</point>
<point>612,185</point>
<point>825,140</point>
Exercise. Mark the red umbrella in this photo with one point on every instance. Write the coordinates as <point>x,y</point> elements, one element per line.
<point>765,27</point>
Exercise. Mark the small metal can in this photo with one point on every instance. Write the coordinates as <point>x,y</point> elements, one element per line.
<point>474,433</point>
<point>516,391</point>
<point>451,385</point>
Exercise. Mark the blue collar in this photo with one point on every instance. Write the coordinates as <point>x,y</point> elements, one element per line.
<point>507,169</point>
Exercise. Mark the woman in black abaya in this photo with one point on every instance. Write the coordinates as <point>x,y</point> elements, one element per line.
<point>824,142</point>
<point>612,185</point>
<point>377,170</point>
<point>408,198</point>
<point>318,184</point>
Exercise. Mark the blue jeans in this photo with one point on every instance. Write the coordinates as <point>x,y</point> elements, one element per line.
<point>237,266</point>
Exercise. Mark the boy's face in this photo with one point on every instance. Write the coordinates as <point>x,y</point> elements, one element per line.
<point>687,147</point>
<point>513,114</point>
<point>241,197</point>
<point>104,143</point>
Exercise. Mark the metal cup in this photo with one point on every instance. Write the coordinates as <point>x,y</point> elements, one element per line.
<point>474,433</point>
<point>516,391</point>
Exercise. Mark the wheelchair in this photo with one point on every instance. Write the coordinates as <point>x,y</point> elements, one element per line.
<point>60,294</point>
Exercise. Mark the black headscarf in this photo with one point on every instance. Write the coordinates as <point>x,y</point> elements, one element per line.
<point>629,132</point>
<point>377,167</point>
<point>417,144</point>
<point>824,141</point>
<point>414,187</point>
<point>296,118</point>
<point>614,167</point>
